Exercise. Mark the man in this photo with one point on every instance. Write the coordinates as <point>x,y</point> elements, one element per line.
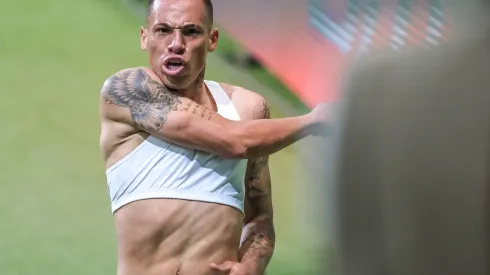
<point>179,152</point>
<point>413,155</point>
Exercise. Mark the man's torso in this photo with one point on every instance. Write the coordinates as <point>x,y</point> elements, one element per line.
<point>168,235</point>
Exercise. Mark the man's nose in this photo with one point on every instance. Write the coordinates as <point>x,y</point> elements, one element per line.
<point>177,46</point>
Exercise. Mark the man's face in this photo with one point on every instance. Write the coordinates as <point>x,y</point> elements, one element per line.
<point>177,40</point>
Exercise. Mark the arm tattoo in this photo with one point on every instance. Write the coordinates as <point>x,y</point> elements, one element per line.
<point>259,234</point>
<point>254,176</point>
<point>258,240</point>
<point>259,244</point>
<point>149,102</point>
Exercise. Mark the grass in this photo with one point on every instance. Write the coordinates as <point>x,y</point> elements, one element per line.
<point>54,208</point>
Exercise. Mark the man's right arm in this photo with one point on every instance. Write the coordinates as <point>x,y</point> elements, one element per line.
<point>132,96</point>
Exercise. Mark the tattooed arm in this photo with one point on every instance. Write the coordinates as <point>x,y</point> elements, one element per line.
<point>258,237</point>
<point>132,97</point>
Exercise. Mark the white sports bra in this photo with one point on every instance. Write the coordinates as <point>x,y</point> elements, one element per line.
<point>160,169</point>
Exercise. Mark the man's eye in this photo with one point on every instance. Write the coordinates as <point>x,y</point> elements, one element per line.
<point>163,30</point>
<point>191,32</point>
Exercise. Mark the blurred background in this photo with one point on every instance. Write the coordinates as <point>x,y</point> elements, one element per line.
<point>55,213</point>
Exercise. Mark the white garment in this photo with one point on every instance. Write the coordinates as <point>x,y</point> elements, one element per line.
<point>160,169</point>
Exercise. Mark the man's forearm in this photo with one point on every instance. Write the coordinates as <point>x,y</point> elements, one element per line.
<point>235,139</point>
<point>258,245</point>
<point>267,136</point>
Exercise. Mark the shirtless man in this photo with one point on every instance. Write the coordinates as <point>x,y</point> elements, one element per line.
<point>187,158</point>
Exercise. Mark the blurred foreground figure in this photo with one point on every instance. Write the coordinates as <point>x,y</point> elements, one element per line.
<point>413,159</point>
<point>187,158</point>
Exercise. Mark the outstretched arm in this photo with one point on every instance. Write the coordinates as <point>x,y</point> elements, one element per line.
<point>132,96</point>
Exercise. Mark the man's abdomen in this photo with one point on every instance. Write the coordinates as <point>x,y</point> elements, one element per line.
<point>168,236</point>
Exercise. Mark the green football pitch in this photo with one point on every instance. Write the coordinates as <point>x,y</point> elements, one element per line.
<point>54,209</point>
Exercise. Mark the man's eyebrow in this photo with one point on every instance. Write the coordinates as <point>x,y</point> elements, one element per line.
<point>185,26</point>
<point>162,25</point>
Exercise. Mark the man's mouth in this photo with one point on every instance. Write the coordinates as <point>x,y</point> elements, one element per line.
<point>174,65</point>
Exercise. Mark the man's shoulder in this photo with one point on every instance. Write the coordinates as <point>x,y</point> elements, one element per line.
<point>248,102</point>
<point>239,91</point>
<point>127,73</point>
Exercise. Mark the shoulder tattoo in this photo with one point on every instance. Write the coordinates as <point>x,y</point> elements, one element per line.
<point>261,110</point>
<point>148,101</point>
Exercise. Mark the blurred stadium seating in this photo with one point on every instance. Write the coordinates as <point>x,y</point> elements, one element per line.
<point>306,42</point>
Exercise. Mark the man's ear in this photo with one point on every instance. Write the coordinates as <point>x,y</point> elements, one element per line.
<point>213,40</point>
<point>144,38</point>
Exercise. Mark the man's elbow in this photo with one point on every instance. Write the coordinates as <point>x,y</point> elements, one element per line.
<point>239,146</point>
<point>235,145</point>
<point>264,219</point>
<point>234,149</point>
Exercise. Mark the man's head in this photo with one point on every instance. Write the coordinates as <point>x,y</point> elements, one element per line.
<point>178,36</point>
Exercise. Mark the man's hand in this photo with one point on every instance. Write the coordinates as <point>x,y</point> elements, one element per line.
<point>233,268</point>
<point>321,117</point>
<point>321,112</point>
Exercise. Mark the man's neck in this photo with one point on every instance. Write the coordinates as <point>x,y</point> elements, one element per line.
<point>196,91</point>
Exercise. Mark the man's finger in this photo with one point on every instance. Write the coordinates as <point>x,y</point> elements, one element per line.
<point>224,267</point>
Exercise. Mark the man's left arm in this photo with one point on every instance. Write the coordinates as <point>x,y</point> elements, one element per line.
<point>258,237</point>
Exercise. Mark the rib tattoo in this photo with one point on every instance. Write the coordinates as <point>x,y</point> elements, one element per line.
<point>148,101</point>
